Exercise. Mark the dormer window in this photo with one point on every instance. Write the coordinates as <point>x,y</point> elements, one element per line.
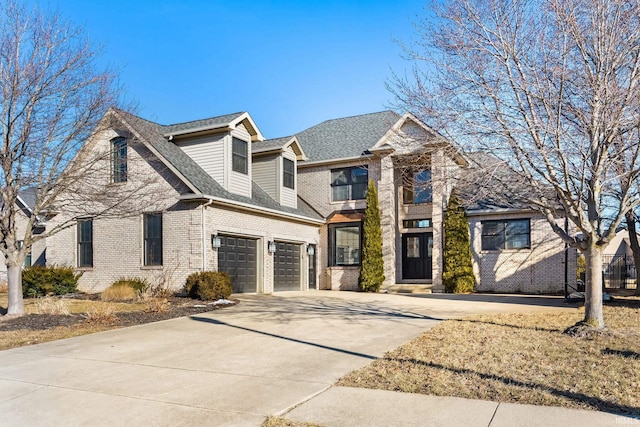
<point>288,173</point>
<point>239,162</point>
<point>119,160</point>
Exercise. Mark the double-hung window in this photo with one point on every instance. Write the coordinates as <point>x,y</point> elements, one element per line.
<point>85,243</point>
<point>344,243</point>
<point>239,160</point>
<point>417,187</point>
<point>152,239</point>
<point>349,183</point>
<point>288,173</point>
<point>506,234</point>
<point>119,160</point>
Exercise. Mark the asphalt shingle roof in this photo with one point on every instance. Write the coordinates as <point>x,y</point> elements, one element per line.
<point>211,122</point>
<point>269,144</point>
<point>152,133</point>
<point>346,137</point>
<point>490,183</point>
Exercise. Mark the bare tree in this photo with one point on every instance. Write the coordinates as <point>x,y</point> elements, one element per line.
<point>54,98</point>
<point>549,87</point>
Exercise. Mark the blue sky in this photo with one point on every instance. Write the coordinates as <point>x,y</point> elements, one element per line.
<point>290,64</point>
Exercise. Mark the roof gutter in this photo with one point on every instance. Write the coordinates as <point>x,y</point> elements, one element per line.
<point>250,208</point>
<point>329,161</point>
<point>499,211</point>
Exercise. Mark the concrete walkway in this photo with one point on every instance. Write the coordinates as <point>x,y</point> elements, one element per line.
<point>266,356</point>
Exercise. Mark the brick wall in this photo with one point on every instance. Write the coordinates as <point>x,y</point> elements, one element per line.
<point>540,269</point>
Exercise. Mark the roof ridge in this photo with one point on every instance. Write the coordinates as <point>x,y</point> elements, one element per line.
<point>203,119</point>
<point>356,115</point>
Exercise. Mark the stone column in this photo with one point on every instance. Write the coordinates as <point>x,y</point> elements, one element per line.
<point>387,201</point>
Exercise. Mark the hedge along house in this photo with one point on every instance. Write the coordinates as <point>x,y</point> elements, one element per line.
<point>203,207</point>
<point>413,169</point>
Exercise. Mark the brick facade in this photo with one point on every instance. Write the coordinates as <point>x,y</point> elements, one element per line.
<point>540,269</point>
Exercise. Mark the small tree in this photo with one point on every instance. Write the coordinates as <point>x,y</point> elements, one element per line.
<point>372,269</point>
<point>457,275</point>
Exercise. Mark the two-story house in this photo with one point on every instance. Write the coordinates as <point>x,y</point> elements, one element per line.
<point>414,169</point>
<point>286,213</point>
<point>224,198</point>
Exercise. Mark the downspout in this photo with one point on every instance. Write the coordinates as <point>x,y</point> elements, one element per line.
<point>204,236</point>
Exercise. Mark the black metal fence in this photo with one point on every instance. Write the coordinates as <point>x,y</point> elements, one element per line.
<point>619,272</point>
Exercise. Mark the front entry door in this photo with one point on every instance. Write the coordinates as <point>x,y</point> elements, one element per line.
<point>417,251</point>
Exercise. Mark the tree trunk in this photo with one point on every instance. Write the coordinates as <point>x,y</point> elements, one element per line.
<point>14,280</point>
<point>635,246</point>
<point>593,288</point>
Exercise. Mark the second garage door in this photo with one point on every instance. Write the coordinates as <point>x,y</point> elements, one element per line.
<point>286,267</point>
<point>237,256</point>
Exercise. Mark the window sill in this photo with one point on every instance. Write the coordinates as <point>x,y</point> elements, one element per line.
<point>345,266</point>
<point>151,267</point>
<point>84,268</point>
<point>493,251</point>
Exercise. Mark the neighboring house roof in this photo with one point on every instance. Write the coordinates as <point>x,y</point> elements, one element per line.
<point>201,183</point>
<point>346,137</point>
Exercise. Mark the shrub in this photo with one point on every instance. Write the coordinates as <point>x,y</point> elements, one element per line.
<point>48,305</point>
<point>121,292</point>
<point>208,285</point>
<point>372,268</point>
<point>136,283</point>
<point>101,314</point>
<point>55,280</point>
<point>457,275</point>
<point>156,305</point>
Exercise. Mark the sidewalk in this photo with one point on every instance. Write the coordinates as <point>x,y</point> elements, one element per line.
<point>346,406</point>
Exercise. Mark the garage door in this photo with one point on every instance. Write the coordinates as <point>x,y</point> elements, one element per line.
<point>237,256</point>
<point>286,267</point>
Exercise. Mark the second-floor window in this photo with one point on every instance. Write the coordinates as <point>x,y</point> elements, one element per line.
<point>349,183</point>
<point>119,160</point>
<point>288,173</point>
<point>506,234</point>
<point>417,187</point>
<point>239,160</point>
<point>85,243</point>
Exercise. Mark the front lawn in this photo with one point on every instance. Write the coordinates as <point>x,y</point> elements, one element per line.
<point>520,358</point>
<point>54,318</point>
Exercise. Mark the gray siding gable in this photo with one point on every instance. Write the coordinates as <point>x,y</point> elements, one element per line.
<point>346,137</point>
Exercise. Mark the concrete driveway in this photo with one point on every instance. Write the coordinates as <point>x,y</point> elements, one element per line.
<point>230,367</point>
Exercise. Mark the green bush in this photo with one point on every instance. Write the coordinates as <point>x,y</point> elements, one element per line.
<point>372,265</point>
<point>42,281</point>
<point>208,285</point>
<point>138,284</point>
<point>457,275</point>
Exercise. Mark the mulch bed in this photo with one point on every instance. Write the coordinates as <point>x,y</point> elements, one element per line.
<point>179,307</point>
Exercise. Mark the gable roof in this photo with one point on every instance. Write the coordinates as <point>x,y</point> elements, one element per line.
<point>346,137</point>
<point>278,145</point>
<point>227,121</point>
<point>200,182</point>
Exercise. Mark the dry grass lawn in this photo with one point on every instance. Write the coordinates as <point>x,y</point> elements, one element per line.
<point>520,358</point>
<point>18,338</point>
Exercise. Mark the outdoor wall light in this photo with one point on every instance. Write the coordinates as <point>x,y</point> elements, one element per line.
<point>216,242</point>
<point>271,247</point>
<point>311,250</point>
